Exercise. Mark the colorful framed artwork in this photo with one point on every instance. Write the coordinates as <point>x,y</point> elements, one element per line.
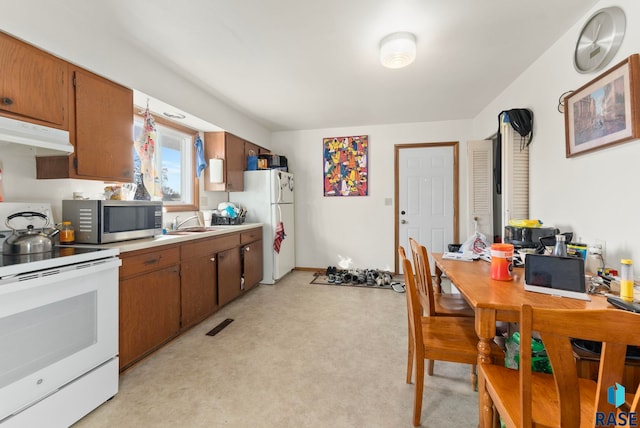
<point>604,111</point>
<point>346,166</point>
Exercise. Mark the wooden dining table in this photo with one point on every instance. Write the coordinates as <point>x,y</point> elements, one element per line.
<point>494,300</point>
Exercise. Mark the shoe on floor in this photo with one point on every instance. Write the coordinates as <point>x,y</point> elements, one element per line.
<point>398,287</point>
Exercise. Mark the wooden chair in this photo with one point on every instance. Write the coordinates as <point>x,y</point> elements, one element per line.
<point>434,304</point>
<point>436,338</point>
<point>525,399</point>
<point>437,304</point>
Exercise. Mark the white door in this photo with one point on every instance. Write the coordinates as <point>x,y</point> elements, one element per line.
<point>285,260</point>
<point>426,197</point>
<point>480,187</point>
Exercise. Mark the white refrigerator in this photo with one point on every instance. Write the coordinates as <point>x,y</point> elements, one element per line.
<point>268,198</point>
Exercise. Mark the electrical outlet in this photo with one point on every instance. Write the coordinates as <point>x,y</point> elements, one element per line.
<point>602,244</point>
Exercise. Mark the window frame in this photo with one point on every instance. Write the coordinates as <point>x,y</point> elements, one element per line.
<point>195,182</point>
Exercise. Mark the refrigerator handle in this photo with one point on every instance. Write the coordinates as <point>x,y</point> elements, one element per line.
<point>279,176</point>
<point>279,213</point>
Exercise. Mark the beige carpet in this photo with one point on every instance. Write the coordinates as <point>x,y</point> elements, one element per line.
<point>296,355</point>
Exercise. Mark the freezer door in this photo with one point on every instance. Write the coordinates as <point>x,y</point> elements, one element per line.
<point>282,187</point>
<point>285,260</point>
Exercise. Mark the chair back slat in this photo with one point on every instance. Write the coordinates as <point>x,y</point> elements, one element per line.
<point>424,282</point>
<point>614,328</point>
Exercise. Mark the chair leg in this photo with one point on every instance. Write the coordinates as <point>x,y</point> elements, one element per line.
<point>474,377</point>
<point>430,368</point>
<point>417,401</point>
<point>410,361</point>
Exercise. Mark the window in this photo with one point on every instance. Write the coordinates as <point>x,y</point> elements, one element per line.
<point>175,158</point>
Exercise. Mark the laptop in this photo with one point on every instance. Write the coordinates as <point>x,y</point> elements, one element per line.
<point>558,276</point>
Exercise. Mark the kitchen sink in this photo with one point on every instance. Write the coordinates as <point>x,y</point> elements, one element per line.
<point>192,230</point>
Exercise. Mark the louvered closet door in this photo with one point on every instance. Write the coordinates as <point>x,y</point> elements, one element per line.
<point>480,185</point>
<point>515,176</point>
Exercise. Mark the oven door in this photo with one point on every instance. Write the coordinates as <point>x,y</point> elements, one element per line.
<point>55,325</point>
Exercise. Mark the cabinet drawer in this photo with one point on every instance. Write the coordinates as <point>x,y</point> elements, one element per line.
<point>210,245</point>
<point>141,262</point>
<point>251,235</point>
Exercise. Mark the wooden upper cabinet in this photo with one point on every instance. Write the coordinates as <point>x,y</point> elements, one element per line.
<point>229,147</point>
<point>33,84</point>
<point>103,128</point>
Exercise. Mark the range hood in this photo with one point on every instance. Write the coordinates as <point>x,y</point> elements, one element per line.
<point>30,134</point>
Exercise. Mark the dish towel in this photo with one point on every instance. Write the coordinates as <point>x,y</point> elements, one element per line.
<point>201,162</point>
<point>280,235</point>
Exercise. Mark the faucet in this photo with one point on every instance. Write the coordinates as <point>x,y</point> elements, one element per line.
<point>177,225</point>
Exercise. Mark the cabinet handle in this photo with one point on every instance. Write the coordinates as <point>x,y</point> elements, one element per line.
<point>213,259</point>
<point>7,101</point>
<point>152,261</point>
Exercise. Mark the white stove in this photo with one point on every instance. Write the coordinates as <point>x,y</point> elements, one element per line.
<point>58,330</point>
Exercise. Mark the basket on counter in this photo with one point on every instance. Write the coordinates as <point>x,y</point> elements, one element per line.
<point>223,220</point>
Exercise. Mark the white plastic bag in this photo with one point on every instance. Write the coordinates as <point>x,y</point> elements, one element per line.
<point>476,243</point>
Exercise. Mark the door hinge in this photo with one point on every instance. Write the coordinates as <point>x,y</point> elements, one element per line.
<point>75,162</point>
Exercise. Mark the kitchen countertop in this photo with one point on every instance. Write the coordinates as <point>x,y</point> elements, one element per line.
<point>158,240</point>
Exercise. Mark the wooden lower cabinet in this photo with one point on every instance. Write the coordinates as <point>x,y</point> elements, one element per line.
<point>252,268</point>
<point>149,312</point>
<point>199,289</point>
<point>229,275</point>
<point>168,289</point>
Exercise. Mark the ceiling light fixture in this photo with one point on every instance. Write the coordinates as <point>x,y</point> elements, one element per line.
<point>174,115</point>
<point>398,50</point>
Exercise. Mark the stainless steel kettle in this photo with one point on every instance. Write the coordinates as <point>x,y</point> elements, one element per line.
<point>30,241</point>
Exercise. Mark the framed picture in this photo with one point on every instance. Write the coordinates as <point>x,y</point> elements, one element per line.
<point>346,166</point>
<point>605,110</point>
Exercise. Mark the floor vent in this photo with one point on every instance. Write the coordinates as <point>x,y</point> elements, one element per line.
<point>217,329</point>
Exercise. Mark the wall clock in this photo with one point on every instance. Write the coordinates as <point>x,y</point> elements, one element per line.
<point>599,39</point>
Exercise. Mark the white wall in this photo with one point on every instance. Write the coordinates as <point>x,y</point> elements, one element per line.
<point>593,195</point>
<point>362,227</point>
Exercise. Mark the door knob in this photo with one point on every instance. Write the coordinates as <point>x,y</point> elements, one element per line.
<point>403,221</point>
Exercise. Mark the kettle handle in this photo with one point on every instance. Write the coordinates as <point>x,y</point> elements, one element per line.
<point>27,214</point>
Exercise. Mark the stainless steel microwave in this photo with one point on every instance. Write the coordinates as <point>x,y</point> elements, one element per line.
<point>101,222</point>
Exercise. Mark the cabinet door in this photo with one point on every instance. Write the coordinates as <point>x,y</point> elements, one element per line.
<point>33,84</point>
<point>229,275</point>
<point>252,264</point>
<point>235,159</point>
<point>199,289</point>
<point>149,312</point>
<point>103,128</point>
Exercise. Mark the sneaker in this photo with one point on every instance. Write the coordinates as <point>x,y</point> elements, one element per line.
<point>339,279</point>
<point>332,278</point>
<point>387,278</point>
<point>398,287</point>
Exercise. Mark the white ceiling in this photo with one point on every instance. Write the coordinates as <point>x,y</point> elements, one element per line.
<point>301,64</point>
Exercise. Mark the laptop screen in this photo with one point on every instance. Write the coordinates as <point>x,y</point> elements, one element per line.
<point>560,273</point>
